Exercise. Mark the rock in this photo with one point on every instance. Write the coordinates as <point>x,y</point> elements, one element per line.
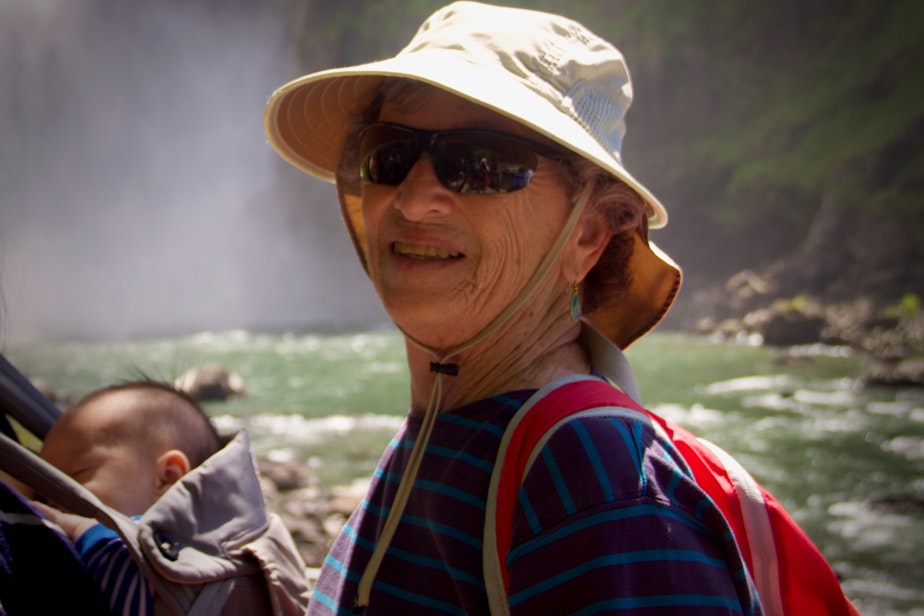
<point>345,499</point>
<point>333,523</point>
<point>210,382</point>
<point>312,516</point>
<point>45,389</point>
<point>787,323</point>
<point>902,504</point>
<point>792,328</point>
<point>746,285</point>
<point>286,476</point>
<point>896,373</point>
<point>310,537</point>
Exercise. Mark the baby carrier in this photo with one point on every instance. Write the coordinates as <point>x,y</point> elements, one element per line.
<point>207,546</point>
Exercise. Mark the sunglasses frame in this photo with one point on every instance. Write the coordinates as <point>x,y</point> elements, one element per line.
<point>427,142</point>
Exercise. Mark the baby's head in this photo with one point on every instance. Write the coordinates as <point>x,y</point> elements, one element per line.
<point>128,443</point>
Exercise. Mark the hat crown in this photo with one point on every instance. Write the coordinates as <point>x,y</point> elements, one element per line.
<point>578,73</point>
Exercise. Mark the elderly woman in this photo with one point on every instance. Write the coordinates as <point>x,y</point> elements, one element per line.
<point>479,176</point>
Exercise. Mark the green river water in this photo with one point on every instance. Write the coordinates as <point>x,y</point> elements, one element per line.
<point>846,460</point>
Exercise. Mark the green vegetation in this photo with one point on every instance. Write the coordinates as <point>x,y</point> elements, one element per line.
<point>908,306</point>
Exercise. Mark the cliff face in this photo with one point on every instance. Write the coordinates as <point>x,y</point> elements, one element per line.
<point>803,161</point>
<point>852,247</point>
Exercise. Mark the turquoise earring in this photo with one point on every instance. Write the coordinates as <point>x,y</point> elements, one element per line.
<point>575,302</point>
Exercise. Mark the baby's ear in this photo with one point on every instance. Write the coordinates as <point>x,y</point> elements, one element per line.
<point>171,465</point>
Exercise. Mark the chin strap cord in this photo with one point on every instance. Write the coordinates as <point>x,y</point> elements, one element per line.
<point>441,368</point>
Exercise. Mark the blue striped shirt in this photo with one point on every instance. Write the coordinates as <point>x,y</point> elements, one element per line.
<point>606,522</point>
<point>110,564</point>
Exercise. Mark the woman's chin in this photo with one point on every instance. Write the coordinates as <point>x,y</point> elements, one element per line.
<point>440,330</point>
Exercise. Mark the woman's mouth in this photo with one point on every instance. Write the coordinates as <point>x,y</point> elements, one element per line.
<point>424,252</point>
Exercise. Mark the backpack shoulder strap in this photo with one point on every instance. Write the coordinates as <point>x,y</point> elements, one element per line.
<point>758,531</point>
<point>532,424</point>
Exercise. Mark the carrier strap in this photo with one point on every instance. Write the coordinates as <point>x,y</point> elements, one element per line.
<point>22,401</point>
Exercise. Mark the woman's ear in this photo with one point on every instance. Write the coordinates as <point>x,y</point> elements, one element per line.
<point>590,238</point>
<point>171,465</point>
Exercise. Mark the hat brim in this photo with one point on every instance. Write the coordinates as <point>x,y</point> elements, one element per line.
<point>654,281</point>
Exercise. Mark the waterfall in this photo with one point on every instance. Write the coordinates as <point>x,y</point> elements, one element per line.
<point>137,193</point>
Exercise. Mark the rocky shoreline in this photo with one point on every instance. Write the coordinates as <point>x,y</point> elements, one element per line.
<point>746,308</point>
<point>313,516</point>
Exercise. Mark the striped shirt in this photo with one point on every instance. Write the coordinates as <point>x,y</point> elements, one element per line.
<point>606,522</point>
<point>108,560</point>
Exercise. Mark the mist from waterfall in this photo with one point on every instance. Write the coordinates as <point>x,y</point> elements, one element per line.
<point>137,193</point>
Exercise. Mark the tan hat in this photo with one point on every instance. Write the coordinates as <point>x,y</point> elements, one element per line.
<point>544,71</point>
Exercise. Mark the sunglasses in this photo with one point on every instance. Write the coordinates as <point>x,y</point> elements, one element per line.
<point>465,161</point>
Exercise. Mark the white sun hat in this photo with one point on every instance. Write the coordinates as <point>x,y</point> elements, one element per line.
<point>544,71</point>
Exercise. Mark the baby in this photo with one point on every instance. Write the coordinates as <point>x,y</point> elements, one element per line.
<point>126,443</point>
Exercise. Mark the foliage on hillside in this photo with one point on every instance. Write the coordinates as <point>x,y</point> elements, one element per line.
<point>808,87</point>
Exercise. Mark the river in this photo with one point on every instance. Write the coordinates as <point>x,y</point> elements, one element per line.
<point>846,460</point>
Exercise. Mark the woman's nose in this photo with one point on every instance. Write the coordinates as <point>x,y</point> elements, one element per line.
<point>421,195</point>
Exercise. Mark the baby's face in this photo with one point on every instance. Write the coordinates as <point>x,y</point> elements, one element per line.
<point>115,470</point>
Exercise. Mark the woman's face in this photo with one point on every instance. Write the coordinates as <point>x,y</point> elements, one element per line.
<point>445,264</point>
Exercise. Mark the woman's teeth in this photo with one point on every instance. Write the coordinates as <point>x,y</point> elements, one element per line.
<point>418,251</point>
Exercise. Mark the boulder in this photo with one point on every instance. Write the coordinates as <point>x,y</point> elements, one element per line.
<point>210,382</point>
<point>793,328</point>
<point>897,372</point>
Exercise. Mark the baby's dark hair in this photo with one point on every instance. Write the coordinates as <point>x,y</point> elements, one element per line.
<point>168,417</point>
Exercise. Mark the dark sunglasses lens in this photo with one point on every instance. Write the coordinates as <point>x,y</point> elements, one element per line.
<point>464,161</point>
<point>483,163</point>
<point>387,155</point>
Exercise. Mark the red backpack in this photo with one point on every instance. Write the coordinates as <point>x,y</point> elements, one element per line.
<point>790,574</point>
